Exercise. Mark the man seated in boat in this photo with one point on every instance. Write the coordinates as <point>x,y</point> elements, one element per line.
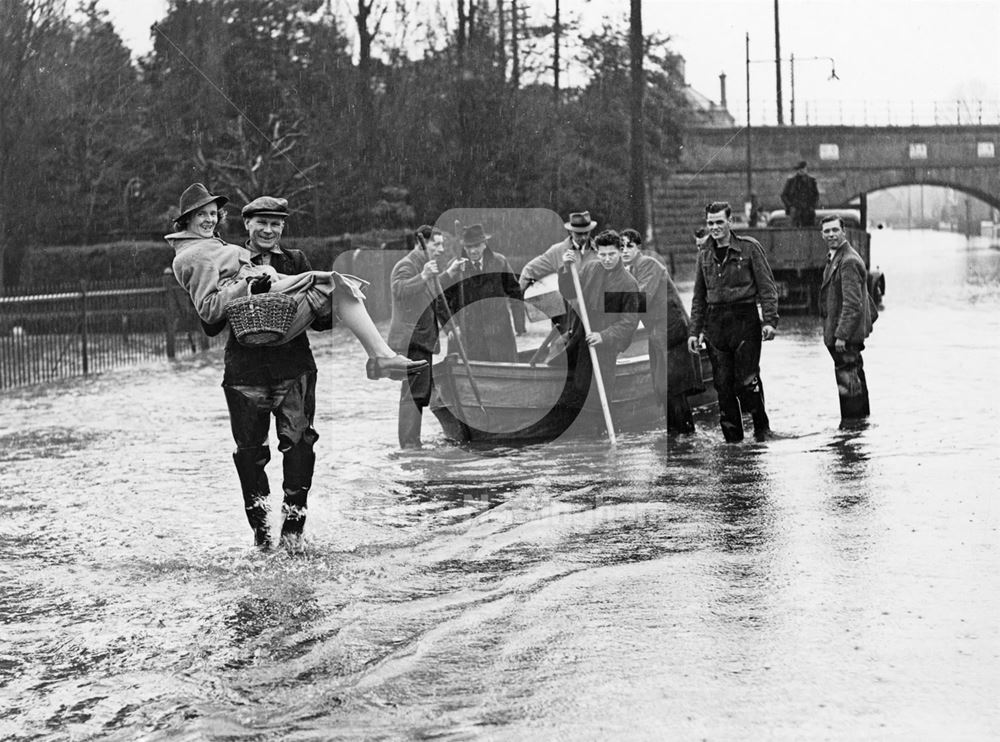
<point>675,371</point>
<point>611,297</point>
<point>580,226</point>
<point>485,290</point>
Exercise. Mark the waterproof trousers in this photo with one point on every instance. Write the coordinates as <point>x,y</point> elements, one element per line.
<point>852,386</point>
<point>732,332</point>
<point>292,402</point>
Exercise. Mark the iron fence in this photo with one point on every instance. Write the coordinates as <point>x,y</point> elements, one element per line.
<point>834,112</point>
<point>61,331</point>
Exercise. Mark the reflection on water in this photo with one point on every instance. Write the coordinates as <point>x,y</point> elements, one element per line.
<point>834,578</point>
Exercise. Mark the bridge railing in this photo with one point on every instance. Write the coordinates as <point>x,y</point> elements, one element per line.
<point>829,112</point>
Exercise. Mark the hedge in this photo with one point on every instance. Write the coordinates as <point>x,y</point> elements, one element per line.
<point>145,261</point>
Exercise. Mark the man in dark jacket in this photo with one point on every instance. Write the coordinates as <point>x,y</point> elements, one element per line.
<point>731,276</point>
<point>611,296</point>
<point>418,313</point>
<point>676,372</point>
<point>800,197</point>
<point>281,381</point>
<point>485,293</point>
<point>847,317</point>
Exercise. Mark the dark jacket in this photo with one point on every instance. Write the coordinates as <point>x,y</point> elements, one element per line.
<point>743,277</point>
<point>843,298</point>
<point>675,370</point>
<point>483,296</point>
<point>261,366</point>
<point>417,314</point>
<point>800,196</point>
<point>612,301</point>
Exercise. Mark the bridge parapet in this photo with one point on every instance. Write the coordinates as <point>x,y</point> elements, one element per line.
<point>845,160</point>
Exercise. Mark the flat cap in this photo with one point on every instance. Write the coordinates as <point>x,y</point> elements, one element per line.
<point>266,206</point>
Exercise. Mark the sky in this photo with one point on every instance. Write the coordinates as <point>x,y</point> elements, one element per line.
<point>905,51</point>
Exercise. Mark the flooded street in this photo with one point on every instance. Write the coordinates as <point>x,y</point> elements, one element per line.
<point>829,583</point>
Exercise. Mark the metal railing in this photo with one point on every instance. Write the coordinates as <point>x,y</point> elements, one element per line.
<point>63,331</point>
<point>829,112</point>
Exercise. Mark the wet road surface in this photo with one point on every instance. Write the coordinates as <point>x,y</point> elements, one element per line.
<point>830,583</point>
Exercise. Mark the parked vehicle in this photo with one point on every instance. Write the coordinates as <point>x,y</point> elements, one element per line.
<point>797,256</point>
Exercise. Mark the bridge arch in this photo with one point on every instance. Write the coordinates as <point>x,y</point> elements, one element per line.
<point>856,160</point>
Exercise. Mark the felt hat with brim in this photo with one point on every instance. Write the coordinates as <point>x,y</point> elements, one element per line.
<point>474,234</point>
<point>579,221</point>
<point>266,206</point>
<point>194,197</point>
<point>801,166</point>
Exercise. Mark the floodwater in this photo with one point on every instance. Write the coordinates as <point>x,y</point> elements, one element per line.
<point>831,584</point>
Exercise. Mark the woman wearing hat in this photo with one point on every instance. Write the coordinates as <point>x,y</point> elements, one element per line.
<point>214,273</point>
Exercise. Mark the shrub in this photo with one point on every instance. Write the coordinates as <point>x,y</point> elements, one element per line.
<point>145,261</point>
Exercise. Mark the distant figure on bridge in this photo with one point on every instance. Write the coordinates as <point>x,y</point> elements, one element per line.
<point>847,313</point>
<point>800,197</point>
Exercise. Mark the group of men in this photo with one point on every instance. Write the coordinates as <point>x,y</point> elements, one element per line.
<point>734,310</point>
<point>619,283</point>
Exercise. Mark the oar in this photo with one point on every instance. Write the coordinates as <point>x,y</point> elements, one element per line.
<point>436,285</point>
<point>544,347</point>
<point>601,392</point>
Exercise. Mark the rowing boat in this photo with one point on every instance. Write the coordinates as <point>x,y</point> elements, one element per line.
<point>527,403</point>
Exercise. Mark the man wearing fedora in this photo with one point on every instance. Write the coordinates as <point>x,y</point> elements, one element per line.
<point>481,299</point>
<point>580,227</point>
<point>800,197</point>
<point>261,381</point>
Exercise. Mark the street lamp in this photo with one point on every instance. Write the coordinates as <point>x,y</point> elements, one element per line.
<point>777,62</point>
<point>748,127</point>
<point>791,59</point>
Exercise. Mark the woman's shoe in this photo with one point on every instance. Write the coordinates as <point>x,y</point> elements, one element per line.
<point>397,367</point>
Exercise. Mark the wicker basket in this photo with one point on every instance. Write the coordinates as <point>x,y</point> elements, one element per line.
<point>259,319</point>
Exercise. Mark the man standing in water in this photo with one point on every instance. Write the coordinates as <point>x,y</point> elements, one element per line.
<point>675,371</point>
<point>263,381</point>
<point>418,313</point>
<point>847,317</point>
<point>731,276</point>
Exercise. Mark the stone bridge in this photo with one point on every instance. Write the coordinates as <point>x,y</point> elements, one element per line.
<point>846,161</point>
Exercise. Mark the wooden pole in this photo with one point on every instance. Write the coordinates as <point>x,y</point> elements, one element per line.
<point>601,392</point>
<point>436,285</point>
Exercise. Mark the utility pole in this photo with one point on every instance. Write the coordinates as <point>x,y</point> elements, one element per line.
<point>777,64</point>
<point>557,29</point>
<point>637,152</point>
<point>749,139</point>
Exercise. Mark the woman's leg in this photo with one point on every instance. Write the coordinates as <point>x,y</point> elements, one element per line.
<point>356,319</point>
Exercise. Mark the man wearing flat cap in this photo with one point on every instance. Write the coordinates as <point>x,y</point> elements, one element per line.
<point>261,381</point>
<point>800,197</point>
<point>580,227</point>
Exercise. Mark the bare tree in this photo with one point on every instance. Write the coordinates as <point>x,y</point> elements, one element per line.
<point>262,167</point>
<point>366,95</point>
<point>515,45</point>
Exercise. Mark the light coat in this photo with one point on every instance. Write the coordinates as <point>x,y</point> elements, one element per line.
<point>417,312</point>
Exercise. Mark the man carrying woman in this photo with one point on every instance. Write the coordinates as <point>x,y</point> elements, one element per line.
<point>266,380</point>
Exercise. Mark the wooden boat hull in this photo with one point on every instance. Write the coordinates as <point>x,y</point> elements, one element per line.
<point>525,403</point>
